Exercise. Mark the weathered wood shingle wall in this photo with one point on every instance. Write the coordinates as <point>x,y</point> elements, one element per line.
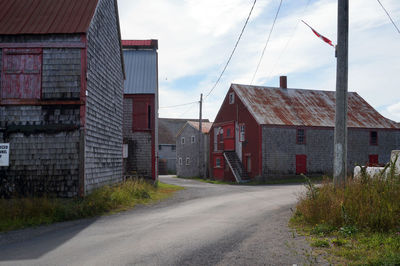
<point>103,138</point>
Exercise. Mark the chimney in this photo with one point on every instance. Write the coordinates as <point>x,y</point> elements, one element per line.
<point>283,82</point>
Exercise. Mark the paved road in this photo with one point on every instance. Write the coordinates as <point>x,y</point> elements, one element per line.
<point>205,224</point>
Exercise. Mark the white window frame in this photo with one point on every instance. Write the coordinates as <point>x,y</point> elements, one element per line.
<point>193,139</point>
<point>187,161</point>
<point>180,161</point>
<point>182,140</point>
<point>231,98</point>
<point>218,162</point>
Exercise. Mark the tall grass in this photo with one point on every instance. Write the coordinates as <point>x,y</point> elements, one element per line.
<point>367,203</point>
<point>22,212</point>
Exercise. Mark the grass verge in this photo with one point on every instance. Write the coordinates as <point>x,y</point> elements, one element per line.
<point>19,213</point>
<point>210,181</point>
<point>358,224</point>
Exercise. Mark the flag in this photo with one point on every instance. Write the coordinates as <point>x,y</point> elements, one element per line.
<point>320,36</point>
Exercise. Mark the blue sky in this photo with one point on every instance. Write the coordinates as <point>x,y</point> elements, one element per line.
<point>196,38</point>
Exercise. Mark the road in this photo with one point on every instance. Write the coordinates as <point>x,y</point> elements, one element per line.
<point>205,224</point>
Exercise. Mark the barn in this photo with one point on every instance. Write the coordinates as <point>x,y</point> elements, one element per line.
<point>62,77</point>
<point>140,126</point>
<point>267,132</point>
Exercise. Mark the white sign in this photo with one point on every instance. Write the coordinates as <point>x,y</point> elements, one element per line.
<point>4,154</point>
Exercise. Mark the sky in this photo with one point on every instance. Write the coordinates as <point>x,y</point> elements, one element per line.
<point>196,38</point>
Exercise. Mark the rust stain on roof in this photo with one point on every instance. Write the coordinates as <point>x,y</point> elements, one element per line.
<point>298,107</point>
<point>46,16</point>
<point>205,126</point>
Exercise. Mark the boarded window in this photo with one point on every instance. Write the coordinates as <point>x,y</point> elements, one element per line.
<point>22,74</point>
<point>373,138</point>
<point>300,136</point>
<point>142,113</point>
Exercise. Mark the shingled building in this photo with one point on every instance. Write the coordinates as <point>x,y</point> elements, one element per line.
<point>61,82</point>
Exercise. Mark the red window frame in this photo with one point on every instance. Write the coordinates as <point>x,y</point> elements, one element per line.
<point>371,139</point>
<point>21,75</point>
<point>298,141</point>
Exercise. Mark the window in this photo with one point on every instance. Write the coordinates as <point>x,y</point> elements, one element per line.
<point>183,140</point>
<point>193,139</point>
<point>221,134</point>
<point>373,138</point>
<point>228,132</point>
<point>187,161</point>
<point>159,147</point>
<point>242,128</point>
<point>21,76</point>
<point>300,136</point>
<point>180,160</point>
<point>148,116</point>
<point>231,98</point>
<point>142,119</point>
<point>218,162</point>
<point>173,147</point>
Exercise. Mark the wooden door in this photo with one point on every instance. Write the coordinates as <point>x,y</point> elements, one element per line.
<point>301,164</point>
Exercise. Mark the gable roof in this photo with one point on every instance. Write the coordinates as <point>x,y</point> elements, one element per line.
<point>205,126</point>
<point>140,57</point>
<point>46,16</point>
<point>298,107</point>
<point>168,128</point>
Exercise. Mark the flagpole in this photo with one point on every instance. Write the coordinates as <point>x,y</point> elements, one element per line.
<point>340,135</point>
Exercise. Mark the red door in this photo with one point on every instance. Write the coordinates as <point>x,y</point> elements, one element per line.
<point>373,159</point>
<point>229,137</point>
<point>301,164</point>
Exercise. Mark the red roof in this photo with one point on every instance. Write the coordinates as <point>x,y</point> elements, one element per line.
<point>298,107</point>
<point>45,16</point>
<point>149,44</point>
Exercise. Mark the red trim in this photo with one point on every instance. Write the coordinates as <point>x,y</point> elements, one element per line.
<point>83,81</point>
<point>260,150</point>
<point>39,102</point>
<point>44,45</point>
<point>370,138</point>
<point>297,136</point>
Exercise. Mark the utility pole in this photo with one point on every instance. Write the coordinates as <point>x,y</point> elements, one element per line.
<point>200,138</point>
<point>342,48</point>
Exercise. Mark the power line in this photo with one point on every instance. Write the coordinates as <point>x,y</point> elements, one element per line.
<point>178,105</point>
<point>387,13</point>
<point>233,51</point>
<point>187,110</point>
<point>288,42</point>
<point>266,43</point>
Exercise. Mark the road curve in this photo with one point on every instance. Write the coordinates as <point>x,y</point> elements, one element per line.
<point>205,224</point>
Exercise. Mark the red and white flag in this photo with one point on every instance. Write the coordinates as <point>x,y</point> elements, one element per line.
<point>320,36</point>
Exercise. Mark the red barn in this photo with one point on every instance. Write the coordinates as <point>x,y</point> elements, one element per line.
<point>266,132</point>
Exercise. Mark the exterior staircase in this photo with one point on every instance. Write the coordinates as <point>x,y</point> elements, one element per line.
<point>236,166</point>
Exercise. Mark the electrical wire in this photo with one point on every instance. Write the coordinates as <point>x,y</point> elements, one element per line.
<point>178,105</point>
<point>187,110</point>
<point>288,42</point>
<point>387,13</point>
<point>266,43</point>
<point>233,51</point>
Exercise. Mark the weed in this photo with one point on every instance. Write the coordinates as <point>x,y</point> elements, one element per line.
<point>320,243</point>
<point>322,230</point>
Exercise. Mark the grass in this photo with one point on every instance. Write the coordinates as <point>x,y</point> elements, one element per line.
<point>360,222</point>
<point>210,181</point>
<point>17,213</point>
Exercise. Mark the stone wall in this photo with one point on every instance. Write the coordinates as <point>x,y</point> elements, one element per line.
<point>103,128</point>
<point>279,149</point>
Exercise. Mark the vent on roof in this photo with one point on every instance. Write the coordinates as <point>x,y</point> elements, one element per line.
<point>283,82</point>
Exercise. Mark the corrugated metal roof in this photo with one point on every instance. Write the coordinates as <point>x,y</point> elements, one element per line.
<point>45,16</point>
<point>298,107</point>
<point>205,126</point>
<point>141,71</point>
<point>150,44</point>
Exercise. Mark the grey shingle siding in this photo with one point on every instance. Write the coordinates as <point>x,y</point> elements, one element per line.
<point>188,150</point>
<point>139,146</point>
<point>279,149</point>
<point>61,75</point>
<point>103,139</point>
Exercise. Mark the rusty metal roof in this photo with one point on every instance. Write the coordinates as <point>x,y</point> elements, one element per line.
<point>205,126</point>
<point>299,107</point>
<point>45,16</point>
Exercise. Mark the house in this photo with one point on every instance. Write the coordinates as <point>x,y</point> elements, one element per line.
<point>62,77</point>
<point>168,129</point>
<point>190,153</point>
<point>140,107</point>
<point>267,132</point>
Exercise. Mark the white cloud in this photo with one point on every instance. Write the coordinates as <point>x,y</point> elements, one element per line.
<point>196,38</point>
